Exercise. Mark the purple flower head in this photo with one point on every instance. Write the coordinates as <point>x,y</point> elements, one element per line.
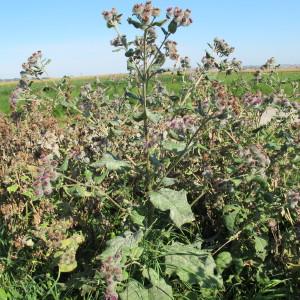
<point>253,100</point>
<point>170,12</point>
<point>46,174</point>
<point>138,9</point>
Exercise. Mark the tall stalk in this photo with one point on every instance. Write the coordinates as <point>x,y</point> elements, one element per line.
<point>144,80</point>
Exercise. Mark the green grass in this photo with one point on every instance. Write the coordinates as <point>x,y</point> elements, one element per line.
<point>116,85</point>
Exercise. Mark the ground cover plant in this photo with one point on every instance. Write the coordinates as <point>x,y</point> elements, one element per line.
<point>150,192</point>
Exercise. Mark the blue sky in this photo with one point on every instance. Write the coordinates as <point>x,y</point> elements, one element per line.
<point>73,34</point>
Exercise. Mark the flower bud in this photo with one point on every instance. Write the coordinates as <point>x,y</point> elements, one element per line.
<point>155,12</point>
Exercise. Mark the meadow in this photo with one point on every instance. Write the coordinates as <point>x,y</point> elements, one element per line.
<point>151,185</point>
<point>172,83</point>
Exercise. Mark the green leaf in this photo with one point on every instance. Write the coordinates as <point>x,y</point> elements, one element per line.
<point>176,202</point>
<point>28,194</point>
<point>88,175</point>
<point>153,117</point>
<point>78,191</point>
<point>174,146</point>
<point>130,65</point>
<point>134,291</point>
<point>172,28</point>
<point>129,53</point>
<point>139,116</point>
<point>230,213</point>
<point>167,181</point>
<point>124,244</point>
<point>260,245</point>
<point>223,261</point>
<point>159,290</point>
<point>66,255</point>
<point>12,188</point>
<point>137,218</point>
<point>174,98</point>
<point>110,162</point>
<point>160,23</point>
<point>64,166</point>
<point>260,180</point>
<point>135,23</point>
<point>3,295</point>
<point>132,96</point>
<point>98,179</point>
<point>192,265</point>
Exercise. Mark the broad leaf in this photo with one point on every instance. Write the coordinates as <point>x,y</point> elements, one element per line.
<point>110,162</point>
<point>159,290</point>
<point>192,265</point>
<point>153,117</point>
<point>167,181</point>
<point>176,202</point>
<point>126,244</point>
<point>230,213</point>
<point>174,146</point>
<point>13,188</point>
<point>3,295</point>
<point>134,291</point>
<point>172,27</point>
<point>260,245</point>
<point>223,261</point>
<point>67,254</point>
<point>78,191</point>
<point>160,23</point>
<point>137,218</point>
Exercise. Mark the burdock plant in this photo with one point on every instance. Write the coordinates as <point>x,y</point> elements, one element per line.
<point>146,55</point>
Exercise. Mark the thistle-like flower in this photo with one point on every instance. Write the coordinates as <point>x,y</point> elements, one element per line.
<point>112,273</point>
<point>46,174</point>
<point>179,16</point>
<point>171,50</point>
<point>185,62</point>
<point>112,17</point>
<point>222,47</point>
<point>253,99</point>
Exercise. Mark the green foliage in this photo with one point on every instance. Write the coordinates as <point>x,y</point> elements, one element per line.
<point>192,265</point>
<point>176,202</point>
<point>110,163</point>
<point>152,186</point>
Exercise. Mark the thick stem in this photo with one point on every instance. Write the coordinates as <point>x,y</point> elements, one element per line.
<point>146,125</point>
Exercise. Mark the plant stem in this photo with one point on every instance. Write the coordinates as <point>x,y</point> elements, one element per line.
<point>146,126</point>
<point>183,153</point>
<point>189,91</point>
<point>96,188</point>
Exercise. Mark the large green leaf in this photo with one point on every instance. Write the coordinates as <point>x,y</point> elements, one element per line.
<point>78,191</point>
<point>230,213</point>
<point>172,27</point>
<point>174,146</point>
<point>126,244</point>
<point>3,295</point>
<point>67,253</point>
<point>153,117</point>
<point>134,291</point>
<point>110,162</point>
<point>260,245</point>
<point>192,265</point>
<point>159,290</point>
<point>176,202</point>
<point>223,261</point>
<point>12,188</point>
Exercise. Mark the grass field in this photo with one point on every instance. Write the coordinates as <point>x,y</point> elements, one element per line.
<point>171,82</point>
